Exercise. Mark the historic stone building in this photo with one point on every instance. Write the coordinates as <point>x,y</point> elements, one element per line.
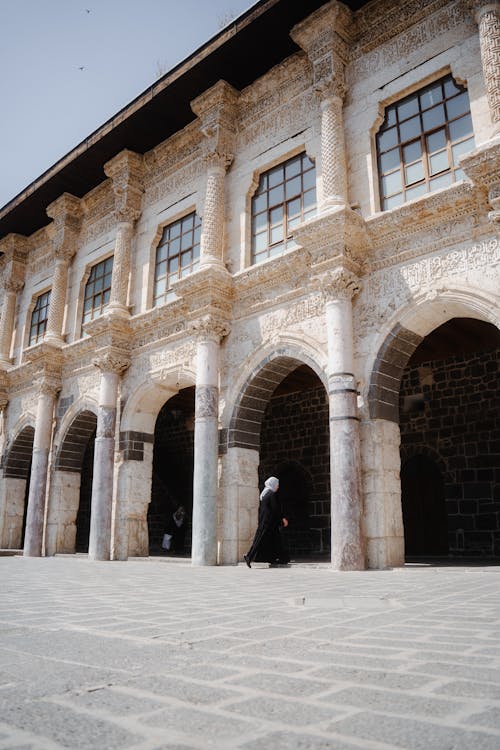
<point>281,258</point>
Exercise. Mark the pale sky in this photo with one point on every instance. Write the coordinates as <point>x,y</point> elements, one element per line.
<point>48,105</point>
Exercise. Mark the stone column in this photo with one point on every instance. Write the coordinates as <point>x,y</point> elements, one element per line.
<point>206,443</point>
<point>488,20</point>
<point>217,110</point>
<point>41,447</point>
<point>66,213</point>
<point>125,170</point>
<point>345,462</point>
<point>325,37</point>
<point>112,366</point>
<point>10,290</point>
<point>13,267</point>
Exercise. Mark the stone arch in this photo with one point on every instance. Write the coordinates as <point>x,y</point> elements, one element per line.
<point>14,488</point>
<point>145,401</point>
<point>70,455</point>
<point>17,460</point>
<point>68,518</point>
<point>415,322</point>
<point>254,394</point>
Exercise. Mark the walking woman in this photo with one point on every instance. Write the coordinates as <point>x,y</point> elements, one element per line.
<point>267,545</point>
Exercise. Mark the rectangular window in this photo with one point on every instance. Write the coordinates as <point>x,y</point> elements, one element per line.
<point>97,290</point>
<point>421,140</point>
<point>177,255</point>
<point>285,198</point>
<point>39,318</point>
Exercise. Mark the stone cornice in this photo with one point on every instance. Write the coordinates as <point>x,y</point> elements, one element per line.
<point>263,278</point>
<point>47,362</point>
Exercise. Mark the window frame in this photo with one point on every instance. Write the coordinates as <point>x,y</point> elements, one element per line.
<point>162,241</point>
<point>86,281</point>
<point>32,311</point>
<point>451,172</point>
<point>262,187</point>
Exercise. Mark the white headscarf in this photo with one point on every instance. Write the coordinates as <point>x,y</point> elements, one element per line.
<point>271,484</point>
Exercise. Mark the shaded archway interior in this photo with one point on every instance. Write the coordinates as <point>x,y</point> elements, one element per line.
<point>17,465</point>
<point>76,455</point>
<point>172,479</point>
<point>449,416</point>
<point>294,446</point>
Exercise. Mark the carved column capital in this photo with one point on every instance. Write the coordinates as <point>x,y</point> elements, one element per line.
<point>112,360</point>
<point>340,283</point>
<point>66,213</point>
<point>126,172</point>
<point>211,327</point>
<point>217,110</point>
<point>13,262</point>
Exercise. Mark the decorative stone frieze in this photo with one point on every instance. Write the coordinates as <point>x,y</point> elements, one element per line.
<point>488,19</point>
<point>126,170</point>
<point>217,109</point>
<point>207,292</point>
<point>483,167</point>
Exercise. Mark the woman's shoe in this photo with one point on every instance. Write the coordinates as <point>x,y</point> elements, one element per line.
<point>247,560</point>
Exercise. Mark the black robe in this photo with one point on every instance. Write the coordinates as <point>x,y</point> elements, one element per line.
<point>267,545</point>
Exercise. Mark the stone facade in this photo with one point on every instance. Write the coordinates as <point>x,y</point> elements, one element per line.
<point>354,296</point>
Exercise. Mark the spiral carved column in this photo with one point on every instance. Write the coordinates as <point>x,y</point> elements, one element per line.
<point>488,19</point>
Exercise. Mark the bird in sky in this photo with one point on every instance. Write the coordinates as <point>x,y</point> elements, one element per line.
<point>81,67</point>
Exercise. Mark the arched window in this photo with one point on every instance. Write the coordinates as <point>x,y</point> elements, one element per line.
<point>39,318</point>
<point>421,140</point>
<point>177,255</point>
<point>285,197</point>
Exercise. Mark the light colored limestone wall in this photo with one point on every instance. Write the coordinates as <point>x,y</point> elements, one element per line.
<point>62,510</point>
<point>12,492</point>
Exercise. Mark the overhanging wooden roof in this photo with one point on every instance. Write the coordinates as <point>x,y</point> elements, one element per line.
<point>242,52</point>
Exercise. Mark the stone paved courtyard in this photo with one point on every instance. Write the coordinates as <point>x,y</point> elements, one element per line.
<point>155,655</point>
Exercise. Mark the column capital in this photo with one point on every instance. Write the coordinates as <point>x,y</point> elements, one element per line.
<point>48,385</point>
<point>66,212</point>
<point>483,7</point>
<point>342,283</point>
<point>337,236</point>
<point>325,37</point>
<point>13,262</point>
<point>112,360</point>
<point>211,327</point>
<point>126,171</point>
<point>483,167</point>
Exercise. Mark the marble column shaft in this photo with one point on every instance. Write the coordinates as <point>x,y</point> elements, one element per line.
<point>7,324</point>
<point>206,438</point>
<point>488,19</point>
<point>346,507</point>
<point>104,461</point>
<point>39,467</point>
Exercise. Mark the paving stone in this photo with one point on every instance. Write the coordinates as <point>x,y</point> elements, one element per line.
<point>115,702</point>
<point>282,711</point>
<point>414,735</point>
<point>292,741</point>
<point>394,680</point>
<point>489,718</point>
<point>266,682</point>
<point>67,728</point>
<point>208,725</point>
<point>483,674</point>
<point>471,689</point>
<point>182,690</point>
<point>393,702</point>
